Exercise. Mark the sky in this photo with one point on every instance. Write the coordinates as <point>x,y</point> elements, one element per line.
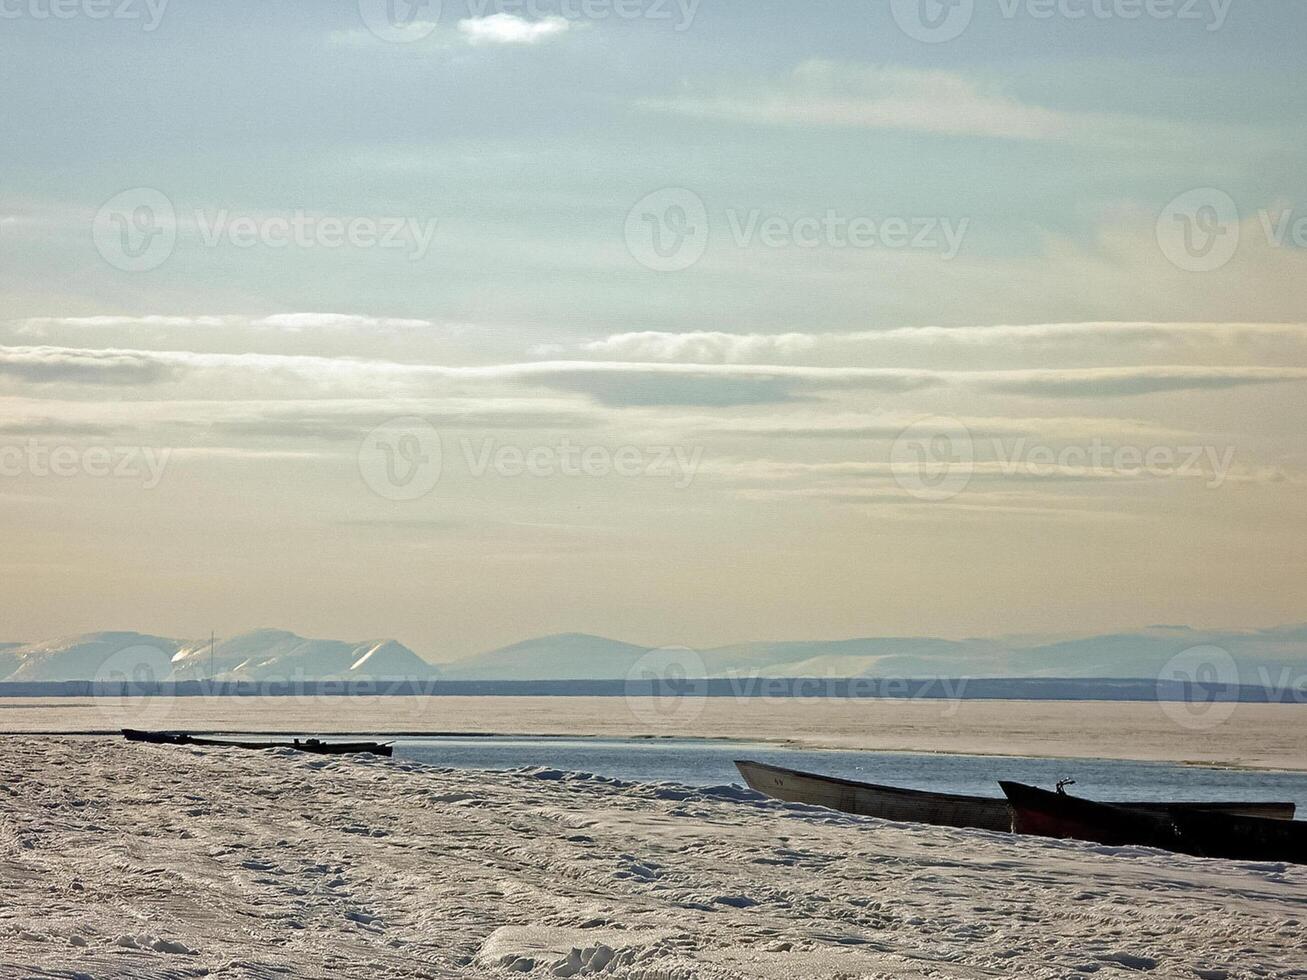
<point>684,323</point>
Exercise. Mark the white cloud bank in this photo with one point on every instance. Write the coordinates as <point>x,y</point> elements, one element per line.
<point>511,29</point>
<point>621,384</point>
<point>739,348</point>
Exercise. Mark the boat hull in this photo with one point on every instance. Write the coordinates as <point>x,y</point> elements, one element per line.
<point>300,745</point>
<point>941,809</point>
<point>882,802</point>
<point>1202,833</point>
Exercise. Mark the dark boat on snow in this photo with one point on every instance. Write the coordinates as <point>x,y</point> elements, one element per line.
<point>1201,833</point>
<point>941,809</point>
<point>302,745</point>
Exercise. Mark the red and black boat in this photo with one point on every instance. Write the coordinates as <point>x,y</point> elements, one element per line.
<point>1202,833</point>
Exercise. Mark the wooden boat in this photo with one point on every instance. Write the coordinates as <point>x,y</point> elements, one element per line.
<point>1202,833</point>
<point>942,809</point>
<point>870,800</point>
<point>304,745</point>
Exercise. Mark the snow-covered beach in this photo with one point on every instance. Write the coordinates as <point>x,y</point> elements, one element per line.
<point>121,859</point>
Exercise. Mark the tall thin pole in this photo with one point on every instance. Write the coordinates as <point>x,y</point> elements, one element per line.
<point>212,643</point>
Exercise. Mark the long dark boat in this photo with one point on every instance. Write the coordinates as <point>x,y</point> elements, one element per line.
<point>1202,833</point>
<point>302,745</point>
<point>941,809</point>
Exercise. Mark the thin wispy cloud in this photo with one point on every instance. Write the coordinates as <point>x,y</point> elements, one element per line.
<point>288,322</point>
<point>728,348</point>
<point>856,96</point>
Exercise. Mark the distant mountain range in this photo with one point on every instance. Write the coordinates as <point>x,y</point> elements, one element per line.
<point>1271,656</point>
<point>262,655</point>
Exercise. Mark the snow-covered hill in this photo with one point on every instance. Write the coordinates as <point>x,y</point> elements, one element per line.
<point>263,655</point>
<point>1259,657</point>
<point>566,657</point>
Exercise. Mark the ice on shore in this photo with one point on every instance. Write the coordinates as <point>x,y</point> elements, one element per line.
<point>130,860</point>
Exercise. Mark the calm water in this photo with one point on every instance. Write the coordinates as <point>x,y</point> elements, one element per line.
<point>709,763</point>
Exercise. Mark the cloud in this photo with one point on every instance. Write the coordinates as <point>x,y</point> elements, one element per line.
<point>902,503</point>
<point>284,322</point>
<point>621,384</point>
<point>49,426</point>
<point>351,421</point>
<point>858,472</point>
<point>511,29</point>
<point>873,427</point>
<point>1130,381</point>
<point>835,94</point>
<point>299,322</point>
<point>735,348</point>
<point>58,365</point>
<point>624,385</point>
